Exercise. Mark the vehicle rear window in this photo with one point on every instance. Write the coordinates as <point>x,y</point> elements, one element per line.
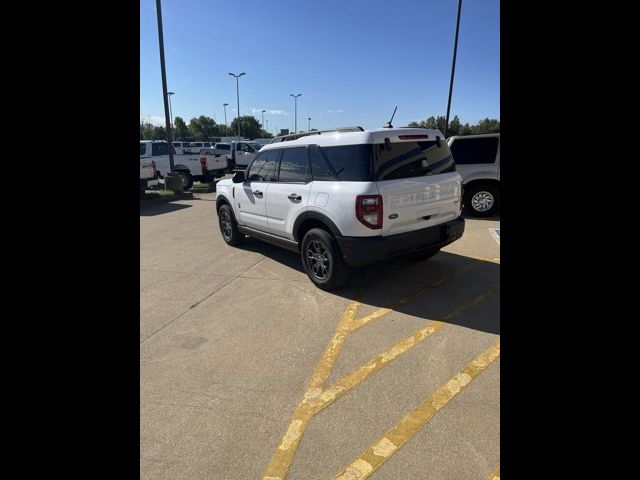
<point>293,166</point>
<point>224,147</point>
<point>411,159</point>
<point>350,163</point>
<point>468,151</point>
<point>143,148</point>
<point>159,149</point>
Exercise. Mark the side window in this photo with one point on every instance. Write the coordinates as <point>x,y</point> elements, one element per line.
<point>143,149</point>
<point>159,149</point>
<point>319,168</point>
<point>474,150</point>
<point>293,166</point>
<point>206,144</point>
<point>263,168</point>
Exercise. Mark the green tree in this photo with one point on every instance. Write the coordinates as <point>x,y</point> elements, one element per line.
<point>487,125</point>
<point>181,130</point>
<point>146,131</point>
<point>203,128</point>
<point>455,127</point>
<point>159,133</point>
<point>249,127</point>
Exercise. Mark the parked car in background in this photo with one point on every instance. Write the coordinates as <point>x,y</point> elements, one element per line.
<point>190,167</point>
<point>180,146</point>
<point>239,154</point>
<point>477,160</point>
<point>262,141</point>
<point>194,147</point>
<point>347,199</point>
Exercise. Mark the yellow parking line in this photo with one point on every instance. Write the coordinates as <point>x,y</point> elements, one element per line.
<point>307,407</point>
<point>357,376</point>
<point>387,445</point>
<point>495,475</point>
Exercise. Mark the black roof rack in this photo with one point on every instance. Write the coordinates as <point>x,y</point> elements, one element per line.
<point>295,136</point>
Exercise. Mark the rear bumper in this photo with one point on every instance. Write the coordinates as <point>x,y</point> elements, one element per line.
<point>361,251</point>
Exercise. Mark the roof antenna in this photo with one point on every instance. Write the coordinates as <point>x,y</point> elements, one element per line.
<point>388,124</point>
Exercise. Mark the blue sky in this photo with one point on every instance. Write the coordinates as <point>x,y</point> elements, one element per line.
<point>352,60</point>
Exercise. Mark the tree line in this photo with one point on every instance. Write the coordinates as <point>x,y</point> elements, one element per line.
<point>204,128</point>
<point>488,125</point>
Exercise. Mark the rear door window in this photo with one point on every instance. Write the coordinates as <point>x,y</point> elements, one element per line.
<point>159,149</point>
<point>350,162</point>
<point>319,169</point>
<point>468,151</point>
<point>294,166</point>
<point>411,159</point>
<point>143,149</point>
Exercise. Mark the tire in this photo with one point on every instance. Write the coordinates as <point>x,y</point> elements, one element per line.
<point>322,260</point>
<point>187,179</point>
<point>482,200</point>
<point>228,227</point>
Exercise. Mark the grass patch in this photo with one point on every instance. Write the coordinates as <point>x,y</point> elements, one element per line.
<point>203,187</point>
<point>159,194</point>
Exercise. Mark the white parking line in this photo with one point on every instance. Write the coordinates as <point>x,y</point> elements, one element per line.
<point>496,234</point>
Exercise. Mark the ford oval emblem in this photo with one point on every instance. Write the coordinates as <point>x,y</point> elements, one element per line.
<point>393,215</point>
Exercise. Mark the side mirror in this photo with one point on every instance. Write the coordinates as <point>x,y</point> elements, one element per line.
<point>238,177</point>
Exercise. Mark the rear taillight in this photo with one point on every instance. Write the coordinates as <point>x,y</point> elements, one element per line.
<point>369,210</point>
<point>203,163</point>
<point>153,164</point>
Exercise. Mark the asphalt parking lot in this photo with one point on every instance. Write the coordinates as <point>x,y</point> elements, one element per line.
<point>247,371</point>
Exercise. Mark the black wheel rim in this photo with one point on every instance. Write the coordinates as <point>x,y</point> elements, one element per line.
<point>225,225</point>
<point>185,180</point>
<point>318,259</point>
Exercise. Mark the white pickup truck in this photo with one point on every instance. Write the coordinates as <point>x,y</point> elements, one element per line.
<point>204,166</point>
<point>148,174</point>
<point>239,154</point>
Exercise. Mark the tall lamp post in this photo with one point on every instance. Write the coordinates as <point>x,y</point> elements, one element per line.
<point>238,92</point>
<point>453,69</point>
<point>224,105</point>
<point>164,84</point>
<point>262,124</point>
<point>173,127</point>
<point>309,129</point>
<point>295,98</point>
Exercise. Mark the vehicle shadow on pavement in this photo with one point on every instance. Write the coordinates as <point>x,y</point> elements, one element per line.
<point>160,208</point>
<point>383,284</point>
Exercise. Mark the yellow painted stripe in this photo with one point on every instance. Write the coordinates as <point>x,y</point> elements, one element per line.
<point>387,445</point>
<point>281,459</point>
<point>495,475</point>
<point>361,322</point>
<point>359,375</point>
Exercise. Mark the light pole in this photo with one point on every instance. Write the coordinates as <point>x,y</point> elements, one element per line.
<point>453,69</point>
<point>267,127</point>
<point>164,84</point>
<point>224,105</point>
<point>309,129</point>
<point>238,92</point>
<point>262,124</point>
<point>295,98</point>
<point>170,112</point>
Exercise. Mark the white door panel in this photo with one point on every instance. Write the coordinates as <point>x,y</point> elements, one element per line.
<point>250,204</point>
<point>284,202</point>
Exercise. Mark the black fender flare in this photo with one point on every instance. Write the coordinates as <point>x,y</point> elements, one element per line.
<point>314,216</point>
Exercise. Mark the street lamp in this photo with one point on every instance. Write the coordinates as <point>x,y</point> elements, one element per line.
<point>295,98</point>
<point>164,83</point>
<point>309,129</point>
<point>238,92</point>
<point>262,124</point>
<point>170,112</point>
<point>453,69</point>
<point>224,105</point>
<point>267,127</point>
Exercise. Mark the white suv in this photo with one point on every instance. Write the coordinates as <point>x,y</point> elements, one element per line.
<point>477,160</point>
<point>346,199</point>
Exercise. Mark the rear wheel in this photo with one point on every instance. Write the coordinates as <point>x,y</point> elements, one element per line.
<point>228,227</point>
<point>482,200</point>
<point>186,178</point>
<point>322,260</point>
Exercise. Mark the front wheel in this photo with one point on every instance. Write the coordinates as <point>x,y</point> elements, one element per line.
<point>228,227</point>
<point>322,260</point>
<point>482,200</point>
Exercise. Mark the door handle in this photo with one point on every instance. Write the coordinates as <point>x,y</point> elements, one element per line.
<point>294,196</point>
<point>257,193</point>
